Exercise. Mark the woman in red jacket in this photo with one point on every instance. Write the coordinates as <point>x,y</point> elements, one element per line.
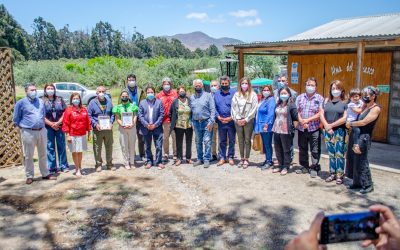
<point>76,124</point>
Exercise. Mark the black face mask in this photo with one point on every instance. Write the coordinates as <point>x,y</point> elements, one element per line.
<point>225,88</point>
<point>124,99</point>
<point>182,94</point>
<point>198,90</point>
<point>366,99</point>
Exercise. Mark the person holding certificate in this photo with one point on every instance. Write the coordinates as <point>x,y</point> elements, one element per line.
<point>126,116</point>
<point>102,118</point>
<point>151,114</point>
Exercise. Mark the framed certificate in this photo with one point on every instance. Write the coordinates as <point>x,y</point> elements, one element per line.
<point>104,122</point>
<point>127,118</point>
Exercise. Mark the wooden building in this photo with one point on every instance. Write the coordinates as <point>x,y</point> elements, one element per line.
<point>358,51</point>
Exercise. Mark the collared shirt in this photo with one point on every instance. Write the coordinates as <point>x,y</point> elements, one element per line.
<point>95,110</point>
<point>76,122</point>
<point>308,107</point>
<point>203,107</point>
<point>29,113</point>
<point>133,95</point>
<point>151,108</point>
<point>223,103</point>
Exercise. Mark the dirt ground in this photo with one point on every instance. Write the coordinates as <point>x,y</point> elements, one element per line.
<point>178,207</point>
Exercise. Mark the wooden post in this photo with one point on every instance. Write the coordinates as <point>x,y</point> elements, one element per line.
<point>241,64</point>
<point>360,61</point>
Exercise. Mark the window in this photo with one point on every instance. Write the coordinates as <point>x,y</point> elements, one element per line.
<point>61,86</point>
<point>74,87</point>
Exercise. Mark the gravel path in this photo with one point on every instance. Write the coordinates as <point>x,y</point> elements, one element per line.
<point>179,207</point>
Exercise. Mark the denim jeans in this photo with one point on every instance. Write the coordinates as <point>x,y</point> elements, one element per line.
<point>56,139</point>
<point>203,137</point>
<point>266,138</point>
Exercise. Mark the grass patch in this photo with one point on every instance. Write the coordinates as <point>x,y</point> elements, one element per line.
<point>121,234</point>
<point>75,194</point>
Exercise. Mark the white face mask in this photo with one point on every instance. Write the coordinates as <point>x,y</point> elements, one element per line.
<point>101,95</point>
<point>336,93</point>
<point>266,93</point>
<point>132,84</point>
<point>214,89</point>
<point>167,87</point>
<point>32,94</point>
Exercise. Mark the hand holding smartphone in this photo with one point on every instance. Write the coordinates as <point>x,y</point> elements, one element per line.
<point>349,227</point>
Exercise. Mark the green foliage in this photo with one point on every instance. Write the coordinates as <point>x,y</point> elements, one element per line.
<point>112,71</point>
<point>262,66</point>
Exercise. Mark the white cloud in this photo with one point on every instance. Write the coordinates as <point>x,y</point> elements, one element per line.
<point>250,22</point>
<point>202,16</point>
<point>244,13</point>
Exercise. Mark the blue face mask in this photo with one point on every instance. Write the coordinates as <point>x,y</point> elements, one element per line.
<point>280,85</point>
<point>76,102</point>
<point>150,96</point>
<point>32,94</point>
<point>284,98</point>
<point>214,89</point>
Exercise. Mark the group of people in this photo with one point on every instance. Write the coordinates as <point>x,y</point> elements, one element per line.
<point>346,126</point>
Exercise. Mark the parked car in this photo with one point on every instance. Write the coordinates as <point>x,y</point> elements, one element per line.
<point>65,89</point>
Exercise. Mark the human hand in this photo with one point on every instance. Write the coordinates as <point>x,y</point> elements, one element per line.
<point>309,238</point>
<point>330,131</point>
<point>388,230</point>
<point>209,127</point>
<point>265,129</point>
<point>89,136</point>
<point>348,125</point>
<point>69,139</point>
<point>328,127</point>
<point>98,127</point>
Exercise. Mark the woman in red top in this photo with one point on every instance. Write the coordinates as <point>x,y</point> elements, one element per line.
<point>76,124</point>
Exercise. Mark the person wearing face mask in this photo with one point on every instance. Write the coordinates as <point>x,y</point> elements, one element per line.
<point>55,107</point>
<point>263,124</point>
<point>286,117</point>
<point>181,123</point>
<point>309,132</point>
<point>333,114</point>
<point>226,125</point>
<point>126,116</point>
<point>151,115</point>
<point>203,118</point>
<point>136,95</point>
<point>243,111</point>
<point>357,167</point>
<point>29,116</point>
<point>76,124</point>
<point>283,82</point>
<point>214,88</point>
<point>167,96</point>
<point>101,108</point>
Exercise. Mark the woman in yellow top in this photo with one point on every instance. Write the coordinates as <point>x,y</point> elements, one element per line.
<point>126,115</point>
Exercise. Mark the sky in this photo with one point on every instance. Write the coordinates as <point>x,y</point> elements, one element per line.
<point>246,20</point>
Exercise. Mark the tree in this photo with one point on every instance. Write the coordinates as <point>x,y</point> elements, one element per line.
<point>198,53</point>
<point>11,33</point>
<point>45,42</point>
<point>66,49</point>
<point>262,66</point>
<point>212,51</point>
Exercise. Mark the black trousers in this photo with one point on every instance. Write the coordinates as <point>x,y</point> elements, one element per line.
<point>358,164</point>
<point>188,133</point>
<point>282,146</point>
<point>312,139</point>
<point>140,140</point>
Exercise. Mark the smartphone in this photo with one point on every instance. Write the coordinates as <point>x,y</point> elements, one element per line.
<point>349,227</point>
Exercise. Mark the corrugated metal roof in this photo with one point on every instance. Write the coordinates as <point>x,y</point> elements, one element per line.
<point>368,26</point>
<point>347,29</point>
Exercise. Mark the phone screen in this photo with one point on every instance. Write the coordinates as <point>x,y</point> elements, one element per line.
<point>349,227</point>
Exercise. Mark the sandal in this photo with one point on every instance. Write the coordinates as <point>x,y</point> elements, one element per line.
<point>189,161</point>
<point>332,177</point>
<point>339,181</point>
<point>284,171</point>
<point>276,170</point>
<point>148,166</point>
<point>178,162</point>
<point>245,164</point>
<point>241,163</point>
<point>161,166</point>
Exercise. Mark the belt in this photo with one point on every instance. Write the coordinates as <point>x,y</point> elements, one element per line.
<point>34,129</point>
